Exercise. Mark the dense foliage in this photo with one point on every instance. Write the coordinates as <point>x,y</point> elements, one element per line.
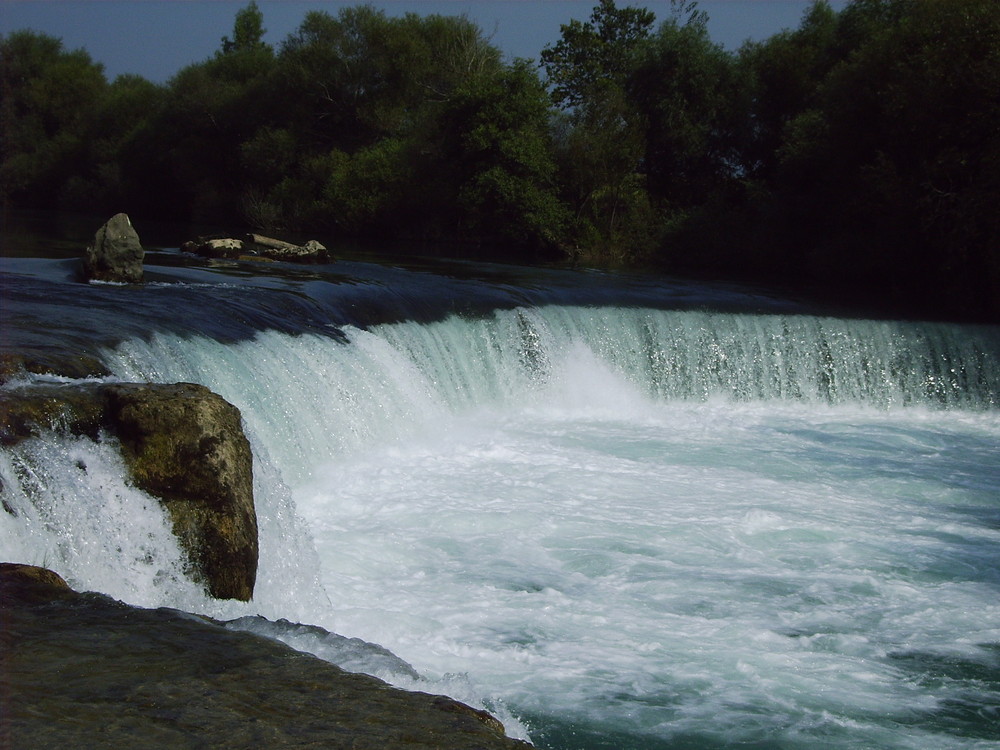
<point>858,153</point>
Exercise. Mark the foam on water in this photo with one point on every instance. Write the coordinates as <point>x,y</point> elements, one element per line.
<point>632,528</point>
<point>70,509</point>
<point>67,509</point>
<point>610,573</point>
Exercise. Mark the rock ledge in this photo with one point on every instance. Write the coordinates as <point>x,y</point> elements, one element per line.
<point>82,670</point>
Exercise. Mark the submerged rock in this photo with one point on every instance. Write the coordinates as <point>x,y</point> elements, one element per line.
<point>82,670</point>
<point>116,254</point>
<point>182,444</point>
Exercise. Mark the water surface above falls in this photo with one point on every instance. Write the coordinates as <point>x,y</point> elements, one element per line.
<point>622,512</point>
<point>45,305</point>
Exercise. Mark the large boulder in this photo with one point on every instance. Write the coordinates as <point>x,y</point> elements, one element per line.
<point>186,446</point>
<point>116,254</point>
<point>182,444</point>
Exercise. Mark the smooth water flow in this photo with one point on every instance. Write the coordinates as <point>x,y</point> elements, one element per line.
<point>618,527</point>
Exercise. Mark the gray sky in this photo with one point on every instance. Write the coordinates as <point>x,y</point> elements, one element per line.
<point>156,38</point>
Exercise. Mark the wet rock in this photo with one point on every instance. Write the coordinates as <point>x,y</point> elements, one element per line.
<point>82,670</point>
<point>116,254</point>
<point>186,446</point>
<point>352,654</point>
<point>26,412</point>
<point>48,362</point>
<point>182,444</point>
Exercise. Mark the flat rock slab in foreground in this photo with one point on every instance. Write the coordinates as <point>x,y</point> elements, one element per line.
<point>81,670</point>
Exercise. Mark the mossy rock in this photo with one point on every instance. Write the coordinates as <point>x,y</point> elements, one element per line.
<point>185,445</point>
<point>182,444</point>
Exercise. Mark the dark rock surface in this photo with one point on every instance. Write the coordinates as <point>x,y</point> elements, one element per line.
<point>183,444</point>
<point>82,670</point>
<point>116,254</point>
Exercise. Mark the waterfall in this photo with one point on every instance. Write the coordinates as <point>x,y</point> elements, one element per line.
<point>621,526</point>
<point>320,397</point>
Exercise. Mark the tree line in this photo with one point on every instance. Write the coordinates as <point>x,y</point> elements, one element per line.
<point>858,153</point>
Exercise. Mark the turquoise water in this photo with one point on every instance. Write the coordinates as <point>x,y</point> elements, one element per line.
<point>616,527</point>
<point>635,528</point>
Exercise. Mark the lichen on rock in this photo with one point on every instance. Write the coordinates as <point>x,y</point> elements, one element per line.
<point>183,444</point>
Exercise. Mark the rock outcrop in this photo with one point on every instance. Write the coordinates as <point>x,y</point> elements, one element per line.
<point>218,247</point>
<point>32,582</point>
<point>186,446</point>
<point>257,247</point>
<point>182,444</point>
<point>116,254</point>
<point>311,252</point>
<point>82,670</point>
<point>43,360</point>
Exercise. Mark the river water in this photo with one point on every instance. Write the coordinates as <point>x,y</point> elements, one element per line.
<point>618,512</point>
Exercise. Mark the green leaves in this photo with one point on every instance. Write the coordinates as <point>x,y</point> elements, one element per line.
<point>49,99</point>
<point>594,55</point>
<point>248,31</point>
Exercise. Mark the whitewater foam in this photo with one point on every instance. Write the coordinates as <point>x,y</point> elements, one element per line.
<point>633,527</point>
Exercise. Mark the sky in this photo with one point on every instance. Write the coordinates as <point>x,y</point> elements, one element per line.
<point>156,38</point>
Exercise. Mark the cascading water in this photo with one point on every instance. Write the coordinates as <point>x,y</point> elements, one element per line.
<point>647,528</point>
<point>619,527</point>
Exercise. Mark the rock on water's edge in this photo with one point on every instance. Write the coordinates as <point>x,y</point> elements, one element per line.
<point>186,446</point>
<point>116,254</point>
<point>82,670</point>
<point>257,247</point>
<point>32,582</point>
<point>183,444</point>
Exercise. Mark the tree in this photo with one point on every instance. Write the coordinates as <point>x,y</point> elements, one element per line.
<point>593,56</point>
<point>49,97</point>
<point>121,150</point>
<point>783,75</point>
<point>687,91</point>
<point>922,147</point>
<point>495,132</point>
<point>211,109</point>
<point>601,149</point>
<point>365,95</point>
<point>248,31</point>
